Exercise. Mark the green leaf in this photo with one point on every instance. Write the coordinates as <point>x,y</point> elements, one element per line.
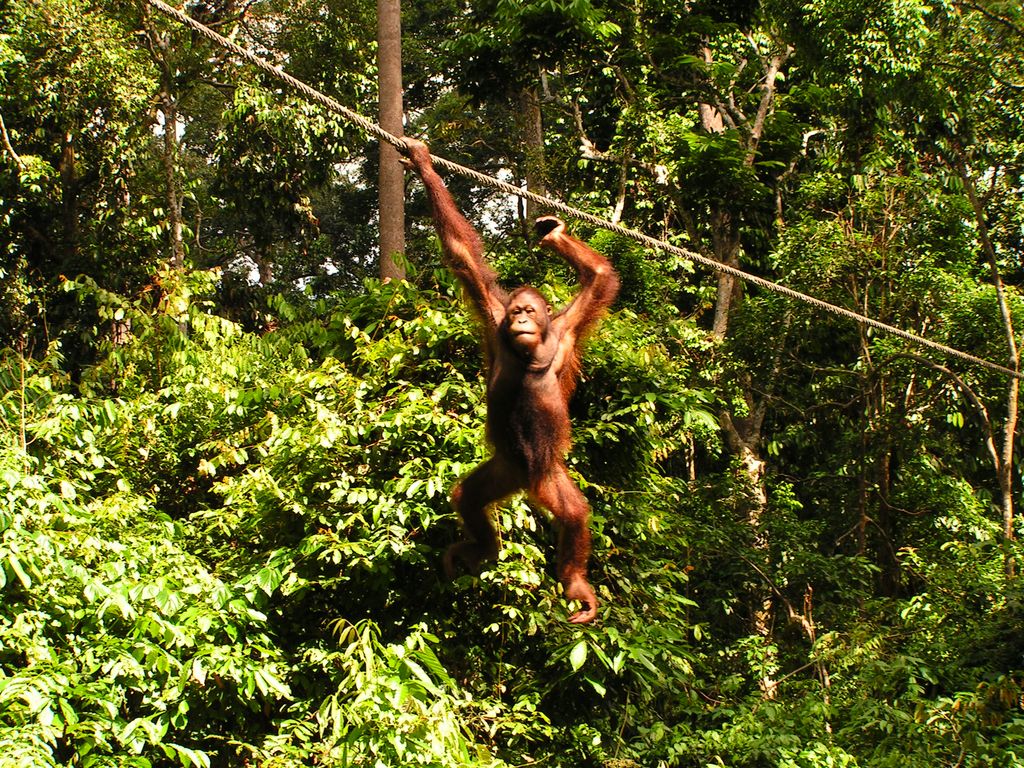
<point>421,675</point>
<point>578,655</point>
<point>15,564</point>
<point>268,579</point>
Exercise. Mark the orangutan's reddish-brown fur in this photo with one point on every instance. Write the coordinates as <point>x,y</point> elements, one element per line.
<point>532,361</point>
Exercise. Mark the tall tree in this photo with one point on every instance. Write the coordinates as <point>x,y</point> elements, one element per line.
<point>391,178</point>
<point>73,94</point>
<point>982,148</point>
<point>159,40</point>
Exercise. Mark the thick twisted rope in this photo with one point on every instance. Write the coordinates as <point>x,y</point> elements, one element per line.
<point>376,131</point>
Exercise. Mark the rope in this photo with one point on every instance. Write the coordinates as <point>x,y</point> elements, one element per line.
<point>376,131</point>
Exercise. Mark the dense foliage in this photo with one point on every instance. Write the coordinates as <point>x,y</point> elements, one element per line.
<point>225,449</point>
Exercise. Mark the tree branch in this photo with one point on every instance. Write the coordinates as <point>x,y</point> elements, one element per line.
<point>993,17</point>
<point>8,146</point>
<point>979,407</point>
<point>589,151</point>
<point>767,98</point>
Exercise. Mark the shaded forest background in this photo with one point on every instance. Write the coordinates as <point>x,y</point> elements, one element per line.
<point>226,445</point>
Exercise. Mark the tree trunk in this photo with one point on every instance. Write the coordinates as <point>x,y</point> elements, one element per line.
<point>724,228</point>
<point>391,179</point>
<point>169,107</point>
<point>724,233</point>
<point>1004,457</point>
<point>743,438</point>
<point>743,434</point>
<point>160,49</point>
<point>265,268</point>
<point>69,200</point>
<point>725,238</point>
<point>531,133</point>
